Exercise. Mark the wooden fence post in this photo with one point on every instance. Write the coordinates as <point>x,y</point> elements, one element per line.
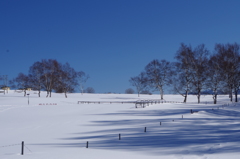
<point>22,151</point>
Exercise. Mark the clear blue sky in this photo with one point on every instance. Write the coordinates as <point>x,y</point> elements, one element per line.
<point>111,40</point>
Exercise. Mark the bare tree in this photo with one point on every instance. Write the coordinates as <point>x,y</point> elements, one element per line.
<point>129,91</point>
<point>146,92</point>
<point>82,79</point>
<point>215,77</point>
<point>140,82</point>
<point>230,66</point>
<point>4,79</point>
<point>159,73</point>
<point>233,50</point>
<point>199,66</point>
<point>89,90</point>
<point>36,76</point>
<point>182,84</point>
<point>21,82</point>
<point>67,79</point>
<point>50,74</point>
<point>183,74</point>
<point>1,78</point>
<point>236,85</point>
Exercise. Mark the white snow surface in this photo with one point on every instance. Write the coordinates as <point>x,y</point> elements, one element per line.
<point>59,127</point>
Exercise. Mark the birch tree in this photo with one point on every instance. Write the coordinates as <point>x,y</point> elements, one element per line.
<point>82,79</point>
<point>50,74</point>
<point>215,80</point>
<point>199,62</point>
<point>183,74</point>
<point>67,79</point>
<point>229,57</point>
<point>140,82</point>
<point>36,76</point>
<point>158,74</point>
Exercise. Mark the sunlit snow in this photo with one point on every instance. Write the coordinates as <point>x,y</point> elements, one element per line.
<point>59,127</point>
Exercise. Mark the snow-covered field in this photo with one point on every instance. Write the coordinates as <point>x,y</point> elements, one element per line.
<point>59,128</point>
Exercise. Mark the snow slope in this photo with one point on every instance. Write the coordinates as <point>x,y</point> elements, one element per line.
<point>59,128</point>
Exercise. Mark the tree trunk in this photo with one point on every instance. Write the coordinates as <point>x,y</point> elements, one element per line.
<point>185,99</point>
<point>65,94</point>
<point>161,92</point>
<point>198,96</point>
<point>215,98</point>
<point>81,88</point>
<point>39,90</point>
<point>236,95</point>
<point>230,95</point>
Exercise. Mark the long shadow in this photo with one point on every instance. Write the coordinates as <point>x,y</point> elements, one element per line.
<point>169,139</point>
<point>150,112</point>
<point>171,112</point>
<point>219,132</point>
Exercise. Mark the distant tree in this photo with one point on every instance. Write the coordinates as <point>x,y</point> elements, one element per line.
<point>89,90</point>
<point>50,74</point>
<point>36,76</point>
<point>140,82</point>
<point>1,78</point>
<point>82,79</point>
<point>4,79</point>
<point>21,82</point>
<point>146,92</point>
<point>12,84</point>
<point>158,74</point>
<point>129,91</point>
<point>4,83</point>
<point>67,79</point>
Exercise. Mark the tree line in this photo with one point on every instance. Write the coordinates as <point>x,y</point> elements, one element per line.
<point>195,71</point>
<point>51,75</point>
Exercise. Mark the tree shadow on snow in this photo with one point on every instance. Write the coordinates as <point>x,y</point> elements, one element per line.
<point>219,132</point>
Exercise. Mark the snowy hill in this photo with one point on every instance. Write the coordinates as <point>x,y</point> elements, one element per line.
<point>59,128</point>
